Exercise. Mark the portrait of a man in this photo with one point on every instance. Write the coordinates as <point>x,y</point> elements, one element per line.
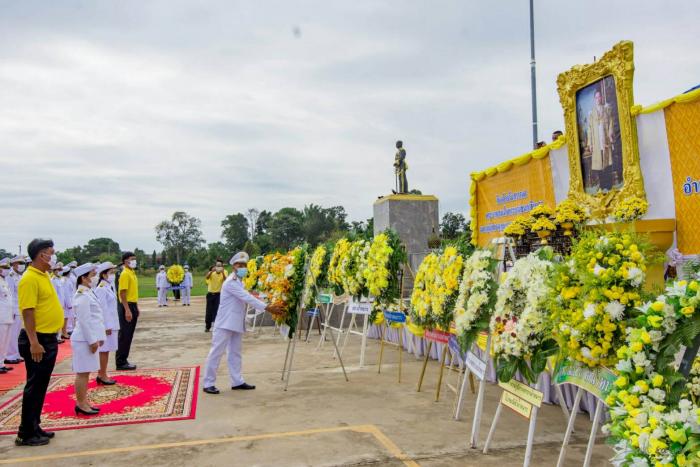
<point>599,136</point>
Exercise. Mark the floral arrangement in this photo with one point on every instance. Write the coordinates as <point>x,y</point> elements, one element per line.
<point>594,293</point>
<point>175,274</point>
<point>543,223</point>
<point>630,209</point>
<point>250,281</point>
<point>519,325</point>
<point>477,296</point>
<point>519,226</point>
<point>352,267</point>
<point>315,275</point>
<point>281,278</point>
<point>340,251</point>
<point>542,211</point>
<point>435,289</point>
<point>570,212</point>
<point>655,419</point>
<point>385,259</point>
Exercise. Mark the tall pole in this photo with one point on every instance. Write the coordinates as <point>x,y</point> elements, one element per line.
<point>533,73</point>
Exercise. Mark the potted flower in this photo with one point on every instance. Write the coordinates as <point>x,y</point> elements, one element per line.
<point>543,227</point>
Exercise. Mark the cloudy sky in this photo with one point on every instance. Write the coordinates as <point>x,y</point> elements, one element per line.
<point>115,114</point>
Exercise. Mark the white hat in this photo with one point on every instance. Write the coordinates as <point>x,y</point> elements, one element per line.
<point>58,266</point>
<point>162,267</point>
<point>5,262</point>
<point>18,259</point>
<point>84,269</point>
<point>186,267</point>
<point>102,267</point>
<point>240,257</point>
<point>72,264</point>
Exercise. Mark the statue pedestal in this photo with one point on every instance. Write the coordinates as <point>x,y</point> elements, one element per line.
<point>414,218</point>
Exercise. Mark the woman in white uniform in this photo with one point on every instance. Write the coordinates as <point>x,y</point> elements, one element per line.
<point>88,335</point>
<point>108,302</point>
<point>6,314</point>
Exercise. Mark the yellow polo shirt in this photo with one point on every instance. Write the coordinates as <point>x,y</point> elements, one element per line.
<point>129,282</point>
<point>215,281</point>
<point>36,291</point>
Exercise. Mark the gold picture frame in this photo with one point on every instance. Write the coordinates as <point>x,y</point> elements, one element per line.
<point>616,153</point>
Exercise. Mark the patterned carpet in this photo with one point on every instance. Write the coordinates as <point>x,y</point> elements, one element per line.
<point>143,396</point>
<point>18,375</point>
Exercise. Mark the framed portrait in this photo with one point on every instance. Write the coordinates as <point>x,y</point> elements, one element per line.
<point>601,133</point>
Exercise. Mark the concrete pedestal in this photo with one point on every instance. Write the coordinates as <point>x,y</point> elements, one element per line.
<point>414,218</point>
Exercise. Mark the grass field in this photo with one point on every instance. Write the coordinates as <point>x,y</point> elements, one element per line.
<point>147,285</point>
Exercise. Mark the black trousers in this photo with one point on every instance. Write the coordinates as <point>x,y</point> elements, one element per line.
<point>126,333</point>
<point>38,377</point>
<point>212,308</point>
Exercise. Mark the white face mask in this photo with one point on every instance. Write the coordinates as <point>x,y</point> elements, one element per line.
<point>52,261</point>
<point>94,280</point>
<point>4,272</point>
<point>132,264</point>
<point>21,268</point>
<point>110,278</point>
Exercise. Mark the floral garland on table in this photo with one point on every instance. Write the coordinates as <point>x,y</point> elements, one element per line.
<point>655,419</point>
<point>175,274</point>
<point>594,293</point>
<point>519,325</point>
<point>477,296</point>
<point>385,259</point>
<point>435,289</point>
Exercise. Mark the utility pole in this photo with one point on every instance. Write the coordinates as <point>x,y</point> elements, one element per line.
<point>533,73</point>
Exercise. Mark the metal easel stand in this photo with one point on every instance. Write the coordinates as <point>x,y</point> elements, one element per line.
<point>291,348</point>
<point>479,408</point>
<point>530,430</point>
<point>325,324</point>
<point>386,327</point>
<point>443,358</point>
<point>570,428</point>
<point>353,329</point>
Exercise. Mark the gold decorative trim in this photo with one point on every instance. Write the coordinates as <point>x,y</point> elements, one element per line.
<point>619,64</point>
<point>406,198</point>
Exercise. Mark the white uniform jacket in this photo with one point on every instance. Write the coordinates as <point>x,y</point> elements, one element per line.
<point>89,325</point>
<point>162,281</point>
<point>7,312</point>
<point>68,292</point>
<point>13,281</point>
<point>108,302</point>
<point>58,285</point>
<point>187,281</point>
<point>232,307</point>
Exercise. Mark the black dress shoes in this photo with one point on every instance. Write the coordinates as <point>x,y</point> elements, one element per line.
<point>105,382</point>
<point>127,367</point>
<point>92,411</point>
<point>211,390</point>
<point>14,362</point>
<point>47,434</point>
<point>243,387</point>
<point>33,441</point>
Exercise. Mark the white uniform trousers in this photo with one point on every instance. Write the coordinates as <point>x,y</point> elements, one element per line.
<point>185,295</point>
<point>5,330</point>
<point>222,341</point>
<point>162,296</point>
<point>13,348</point>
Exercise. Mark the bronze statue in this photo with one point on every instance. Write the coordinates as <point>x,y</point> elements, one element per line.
<point>400,168</point>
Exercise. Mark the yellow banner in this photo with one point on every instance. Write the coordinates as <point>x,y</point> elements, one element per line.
<point>505,195</point>
<point>683,130</point>
<point>516,404</point>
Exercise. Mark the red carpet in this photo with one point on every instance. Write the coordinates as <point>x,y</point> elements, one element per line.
<point>18,376</point>
<point>143,396</point>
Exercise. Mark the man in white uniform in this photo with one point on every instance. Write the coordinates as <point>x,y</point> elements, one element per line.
<point>229,326</point>
<point>187,284</point>
<point>57,280</point>
<point>162,286</point>
<point>18,264</point>
<point>6,313</point>
<point>69,293</point>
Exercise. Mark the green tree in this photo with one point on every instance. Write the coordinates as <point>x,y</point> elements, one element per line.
<point>235,231</point>
<point>286,228</point>
<point>262,224</point>
<point>154,259</point>
<point>264,243</point>
<point>452,225</point>
<point>141,257</point>
<point>71,254</point>
<point>198,258</point>
<point>181,234</point>
<point>251,248</point>
<point>4,253</point>
<point>96,247</point>
<point>216,251</point>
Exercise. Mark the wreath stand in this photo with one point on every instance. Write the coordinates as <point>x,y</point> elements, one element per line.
<point>326,323</point>
<point>439,337</point>
<point>292,343</point>
<point>396,320</point>
<point>356,308</point>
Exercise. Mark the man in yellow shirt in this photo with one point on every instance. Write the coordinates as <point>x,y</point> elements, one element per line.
<point>214,279</point>
<point>42,314</point>
<point>128,310</point>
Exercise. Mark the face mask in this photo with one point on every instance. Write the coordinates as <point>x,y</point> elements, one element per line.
<point>132,264</point>
<point>219,268</point>
<point>52,261</point>
<point>94,280</point>
<point>4,272</point>
<point>21,268</point>
<point>110,278</point>
<point>241,272</point>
